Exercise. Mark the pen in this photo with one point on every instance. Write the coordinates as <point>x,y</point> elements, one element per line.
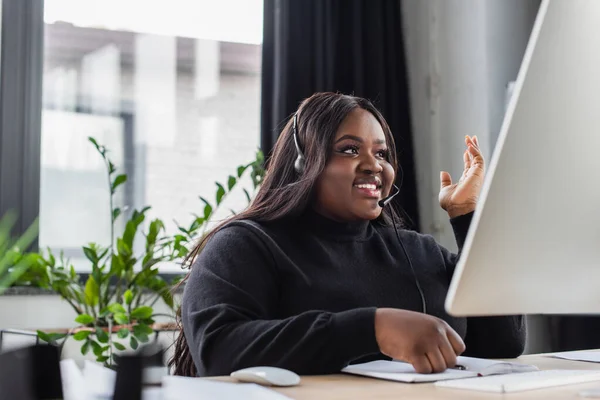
<point>460,367</point>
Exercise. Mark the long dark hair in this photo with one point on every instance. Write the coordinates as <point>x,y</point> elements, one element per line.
<point>284,193</point>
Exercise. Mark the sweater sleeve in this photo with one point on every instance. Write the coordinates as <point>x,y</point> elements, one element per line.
<point>487,337</point>
<point>230,308</point>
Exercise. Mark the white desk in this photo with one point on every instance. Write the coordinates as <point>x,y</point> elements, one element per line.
<point>343,386</point>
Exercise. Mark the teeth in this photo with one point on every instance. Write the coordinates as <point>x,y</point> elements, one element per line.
<point>367,186</point>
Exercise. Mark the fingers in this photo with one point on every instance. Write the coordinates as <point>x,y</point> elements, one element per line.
<point>437,360</point>
<point>445,179</point>
<point>448,354</point>
<point>467,160</point>
<point>472,140</point>
<point>477,158</point>
<point>422,365</point>
<point>455,341</point>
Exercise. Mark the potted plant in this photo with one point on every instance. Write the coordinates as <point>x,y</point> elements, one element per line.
<point>118,296</point>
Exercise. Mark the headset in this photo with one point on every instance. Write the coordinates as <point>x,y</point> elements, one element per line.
<point>300,160</point>
<point>299,166</point>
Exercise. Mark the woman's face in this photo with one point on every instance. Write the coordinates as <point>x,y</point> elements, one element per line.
<point>358,173</point>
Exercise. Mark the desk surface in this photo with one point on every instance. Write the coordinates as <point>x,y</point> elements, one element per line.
<point>344,386</point>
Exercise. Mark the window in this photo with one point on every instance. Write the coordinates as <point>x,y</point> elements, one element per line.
<point>172,89</point>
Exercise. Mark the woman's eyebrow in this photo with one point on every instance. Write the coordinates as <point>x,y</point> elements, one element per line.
<point>358,139</point>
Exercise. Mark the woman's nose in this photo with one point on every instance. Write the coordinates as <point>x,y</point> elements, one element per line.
<point>371,165</point>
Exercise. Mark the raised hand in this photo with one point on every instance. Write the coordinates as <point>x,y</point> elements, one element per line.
<point>461,197</point>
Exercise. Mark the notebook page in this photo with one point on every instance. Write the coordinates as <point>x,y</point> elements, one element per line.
<point>402,372</point>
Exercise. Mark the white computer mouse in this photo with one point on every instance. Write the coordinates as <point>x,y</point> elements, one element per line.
<point>267,376</point>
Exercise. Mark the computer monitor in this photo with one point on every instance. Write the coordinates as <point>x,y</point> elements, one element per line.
<point>534,243</point>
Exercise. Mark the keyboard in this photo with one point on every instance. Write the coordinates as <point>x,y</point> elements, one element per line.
<point>510,383</point>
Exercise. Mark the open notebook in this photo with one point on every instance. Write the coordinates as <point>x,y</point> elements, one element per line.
<point>404,372</point>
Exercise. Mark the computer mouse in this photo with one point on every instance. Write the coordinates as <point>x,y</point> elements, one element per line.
<point>272,376</point>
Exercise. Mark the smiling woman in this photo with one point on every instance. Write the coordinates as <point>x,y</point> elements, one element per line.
<point>358,171</point>
<point>314,275</point>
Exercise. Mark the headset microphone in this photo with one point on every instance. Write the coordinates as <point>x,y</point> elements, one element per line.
<point>383,202</point>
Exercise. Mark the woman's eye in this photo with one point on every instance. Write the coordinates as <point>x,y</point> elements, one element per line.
<point>382,153</point>
<point>350,150</point>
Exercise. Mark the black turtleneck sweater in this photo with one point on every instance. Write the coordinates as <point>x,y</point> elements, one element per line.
<point>303,296</point>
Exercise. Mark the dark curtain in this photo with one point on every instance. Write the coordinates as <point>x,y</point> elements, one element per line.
<point>348,46</point>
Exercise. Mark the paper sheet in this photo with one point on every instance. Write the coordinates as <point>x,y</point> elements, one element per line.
<point>177,387</point>
<point>590,356</point>
<point>404,372</point>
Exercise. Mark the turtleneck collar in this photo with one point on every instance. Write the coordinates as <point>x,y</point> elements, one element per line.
<point>323,226</point>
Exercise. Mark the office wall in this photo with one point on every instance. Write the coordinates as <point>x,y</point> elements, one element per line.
<point>461,56</point>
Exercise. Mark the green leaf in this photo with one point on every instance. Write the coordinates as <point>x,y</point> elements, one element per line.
<point>207,211</point>
<point>142,312</point>
<point>195,225</point>
<point>116,265</point>
<point>206,202</point>
<point>167,297</point>
<point>143,338</point>
<point>153,230</point>
<point>119,346</point>
<point>123,248</point>
<point>101,335</point>
<point>240,170</point>
<point>72,273</point>
<point>119,180</point>
<point>104,312</point>
<point>111,168</point>
<point>44,336</point>
<point>231,182</point>
<point>57,336</point>
<point>133,343</point>
<point>123,333</point>
<point>96,348</point>
<point>51,258</point>
<point>115,214</point>
<point>128,296</point>
<point>84,319</point>
<point>91,292</point>
<point>101,256</point>
<point>220,192</point>
<point>116,308</point>
<point>81,335</point>
<point>85,348</point>
<point>142,329</point>
<point>90,254</point>
<point>247,196</point>
<point>50,337</point>
<point>101,359</point>
<point>132,225</point>
<point>94,142</point>
<point>121,319</point>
